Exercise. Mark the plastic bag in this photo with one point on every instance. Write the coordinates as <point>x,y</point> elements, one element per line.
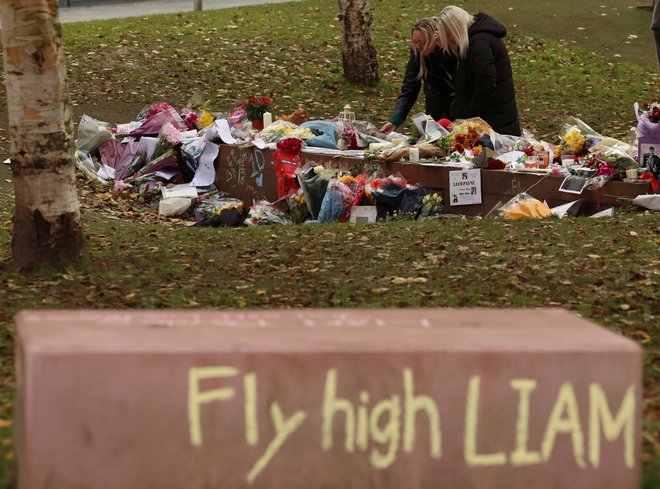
<point>524,205</point>
<point>92,133</point>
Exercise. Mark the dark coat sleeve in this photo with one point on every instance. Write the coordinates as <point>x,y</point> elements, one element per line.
<point>409,91</point>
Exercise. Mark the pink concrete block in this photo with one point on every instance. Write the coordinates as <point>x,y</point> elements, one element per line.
<point>345,399</point>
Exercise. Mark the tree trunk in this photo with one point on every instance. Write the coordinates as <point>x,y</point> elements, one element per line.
<point>47,226</point>
<point>357,44</point>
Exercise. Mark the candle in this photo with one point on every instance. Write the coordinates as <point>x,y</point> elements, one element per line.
<point>268,119</point>
<point>413,155</point>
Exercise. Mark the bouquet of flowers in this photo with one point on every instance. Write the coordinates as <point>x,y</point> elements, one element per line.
<point>336,200</point>
<point>290,145</point>
<point>264,213</point>
<point>648,119</point>
<point>314,183</point>
<point>612,164</point>
<point>652,110</point>
<point>255,107</point>
<point>298,207</point>
<point>577,138</point>
<point>281,130</point>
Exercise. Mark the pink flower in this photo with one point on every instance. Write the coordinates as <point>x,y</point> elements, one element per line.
<point>171,134</point>
<point>120,186</point>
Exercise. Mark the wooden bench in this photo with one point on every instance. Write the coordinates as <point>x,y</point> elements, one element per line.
<point>345,399</point>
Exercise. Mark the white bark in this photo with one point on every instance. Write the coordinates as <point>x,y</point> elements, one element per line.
<point>47,226</point>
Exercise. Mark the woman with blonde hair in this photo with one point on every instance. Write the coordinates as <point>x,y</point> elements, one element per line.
<point>484,79</point>
<point>430,65</point>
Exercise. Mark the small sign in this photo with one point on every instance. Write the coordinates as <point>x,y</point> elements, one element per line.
<point>465,187</point>
<point>363,214</point>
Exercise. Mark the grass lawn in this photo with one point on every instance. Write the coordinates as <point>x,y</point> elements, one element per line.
<point>564,64</point>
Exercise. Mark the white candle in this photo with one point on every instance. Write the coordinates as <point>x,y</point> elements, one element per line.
<point>413,155</point>
<point>268,119</point>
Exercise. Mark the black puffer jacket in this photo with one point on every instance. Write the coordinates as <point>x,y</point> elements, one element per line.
<point>484,80</point>
<point>438,86</point>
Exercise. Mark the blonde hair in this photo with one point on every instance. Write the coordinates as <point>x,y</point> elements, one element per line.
<point>456,21</point>
<point>426,27</point>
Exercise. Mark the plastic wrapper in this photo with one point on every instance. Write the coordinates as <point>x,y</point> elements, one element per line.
<point>505,143</point>
<point>314,182</point>
<point>298,207</point>
<point>348,137</point>
<point>431,206</point>
<point>214,205</point>
<point>524,205</point>
<point>92,133</point>
<point>645,126</point>
<point>280,129</point>
<point>426,150</point>
<point>576,137</point>
<point>264,213</point>
<point>174,206</point>
<point>89,166</point>
<point>327,137</point>
<point>336,200</point>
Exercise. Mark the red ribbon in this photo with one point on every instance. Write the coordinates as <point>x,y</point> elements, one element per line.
<point>654,183</point>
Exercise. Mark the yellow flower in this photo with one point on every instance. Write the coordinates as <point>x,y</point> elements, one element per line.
<point>206,119</point>
<point>574,140</point>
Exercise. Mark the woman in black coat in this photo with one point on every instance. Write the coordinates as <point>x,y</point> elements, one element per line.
<point>484,79</point>
<point>430,65</point>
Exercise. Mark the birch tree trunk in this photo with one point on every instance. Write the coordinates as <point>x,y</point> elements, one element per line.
<point>358,51</point>
<point>47,226</point>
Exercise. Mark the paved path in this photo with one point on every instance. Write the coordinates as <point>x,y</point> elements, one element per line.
<point>151,7</point>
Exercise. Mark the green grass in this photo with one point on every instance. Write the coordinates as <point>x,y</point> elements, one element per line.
<point>605,270</point>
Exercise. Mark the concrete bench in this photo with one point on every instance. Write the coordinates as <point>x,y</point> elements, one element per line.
<point>345,399</point>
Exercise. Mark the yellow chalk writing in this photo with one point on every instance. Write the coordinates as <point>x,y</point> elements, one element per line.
<point>331,404</point>
<point>390,433</point>
<point>599,413</point>
<point>413,404</point>
<point>251,423</point>
<point>566,402</point>
<point>197,398</point>
<point>472,458</point>
<point>362,437</point>
<point>283,429</point>
<point>520,455</point>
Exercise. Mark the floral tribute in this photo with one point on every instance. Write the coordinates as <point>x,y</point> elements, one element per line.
<point>255,107</point>
<point>290,145</point>
<point>651,111</point>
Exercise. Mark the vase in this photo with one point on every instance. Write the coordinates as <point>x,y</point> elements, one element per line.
<point>258,124</point>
